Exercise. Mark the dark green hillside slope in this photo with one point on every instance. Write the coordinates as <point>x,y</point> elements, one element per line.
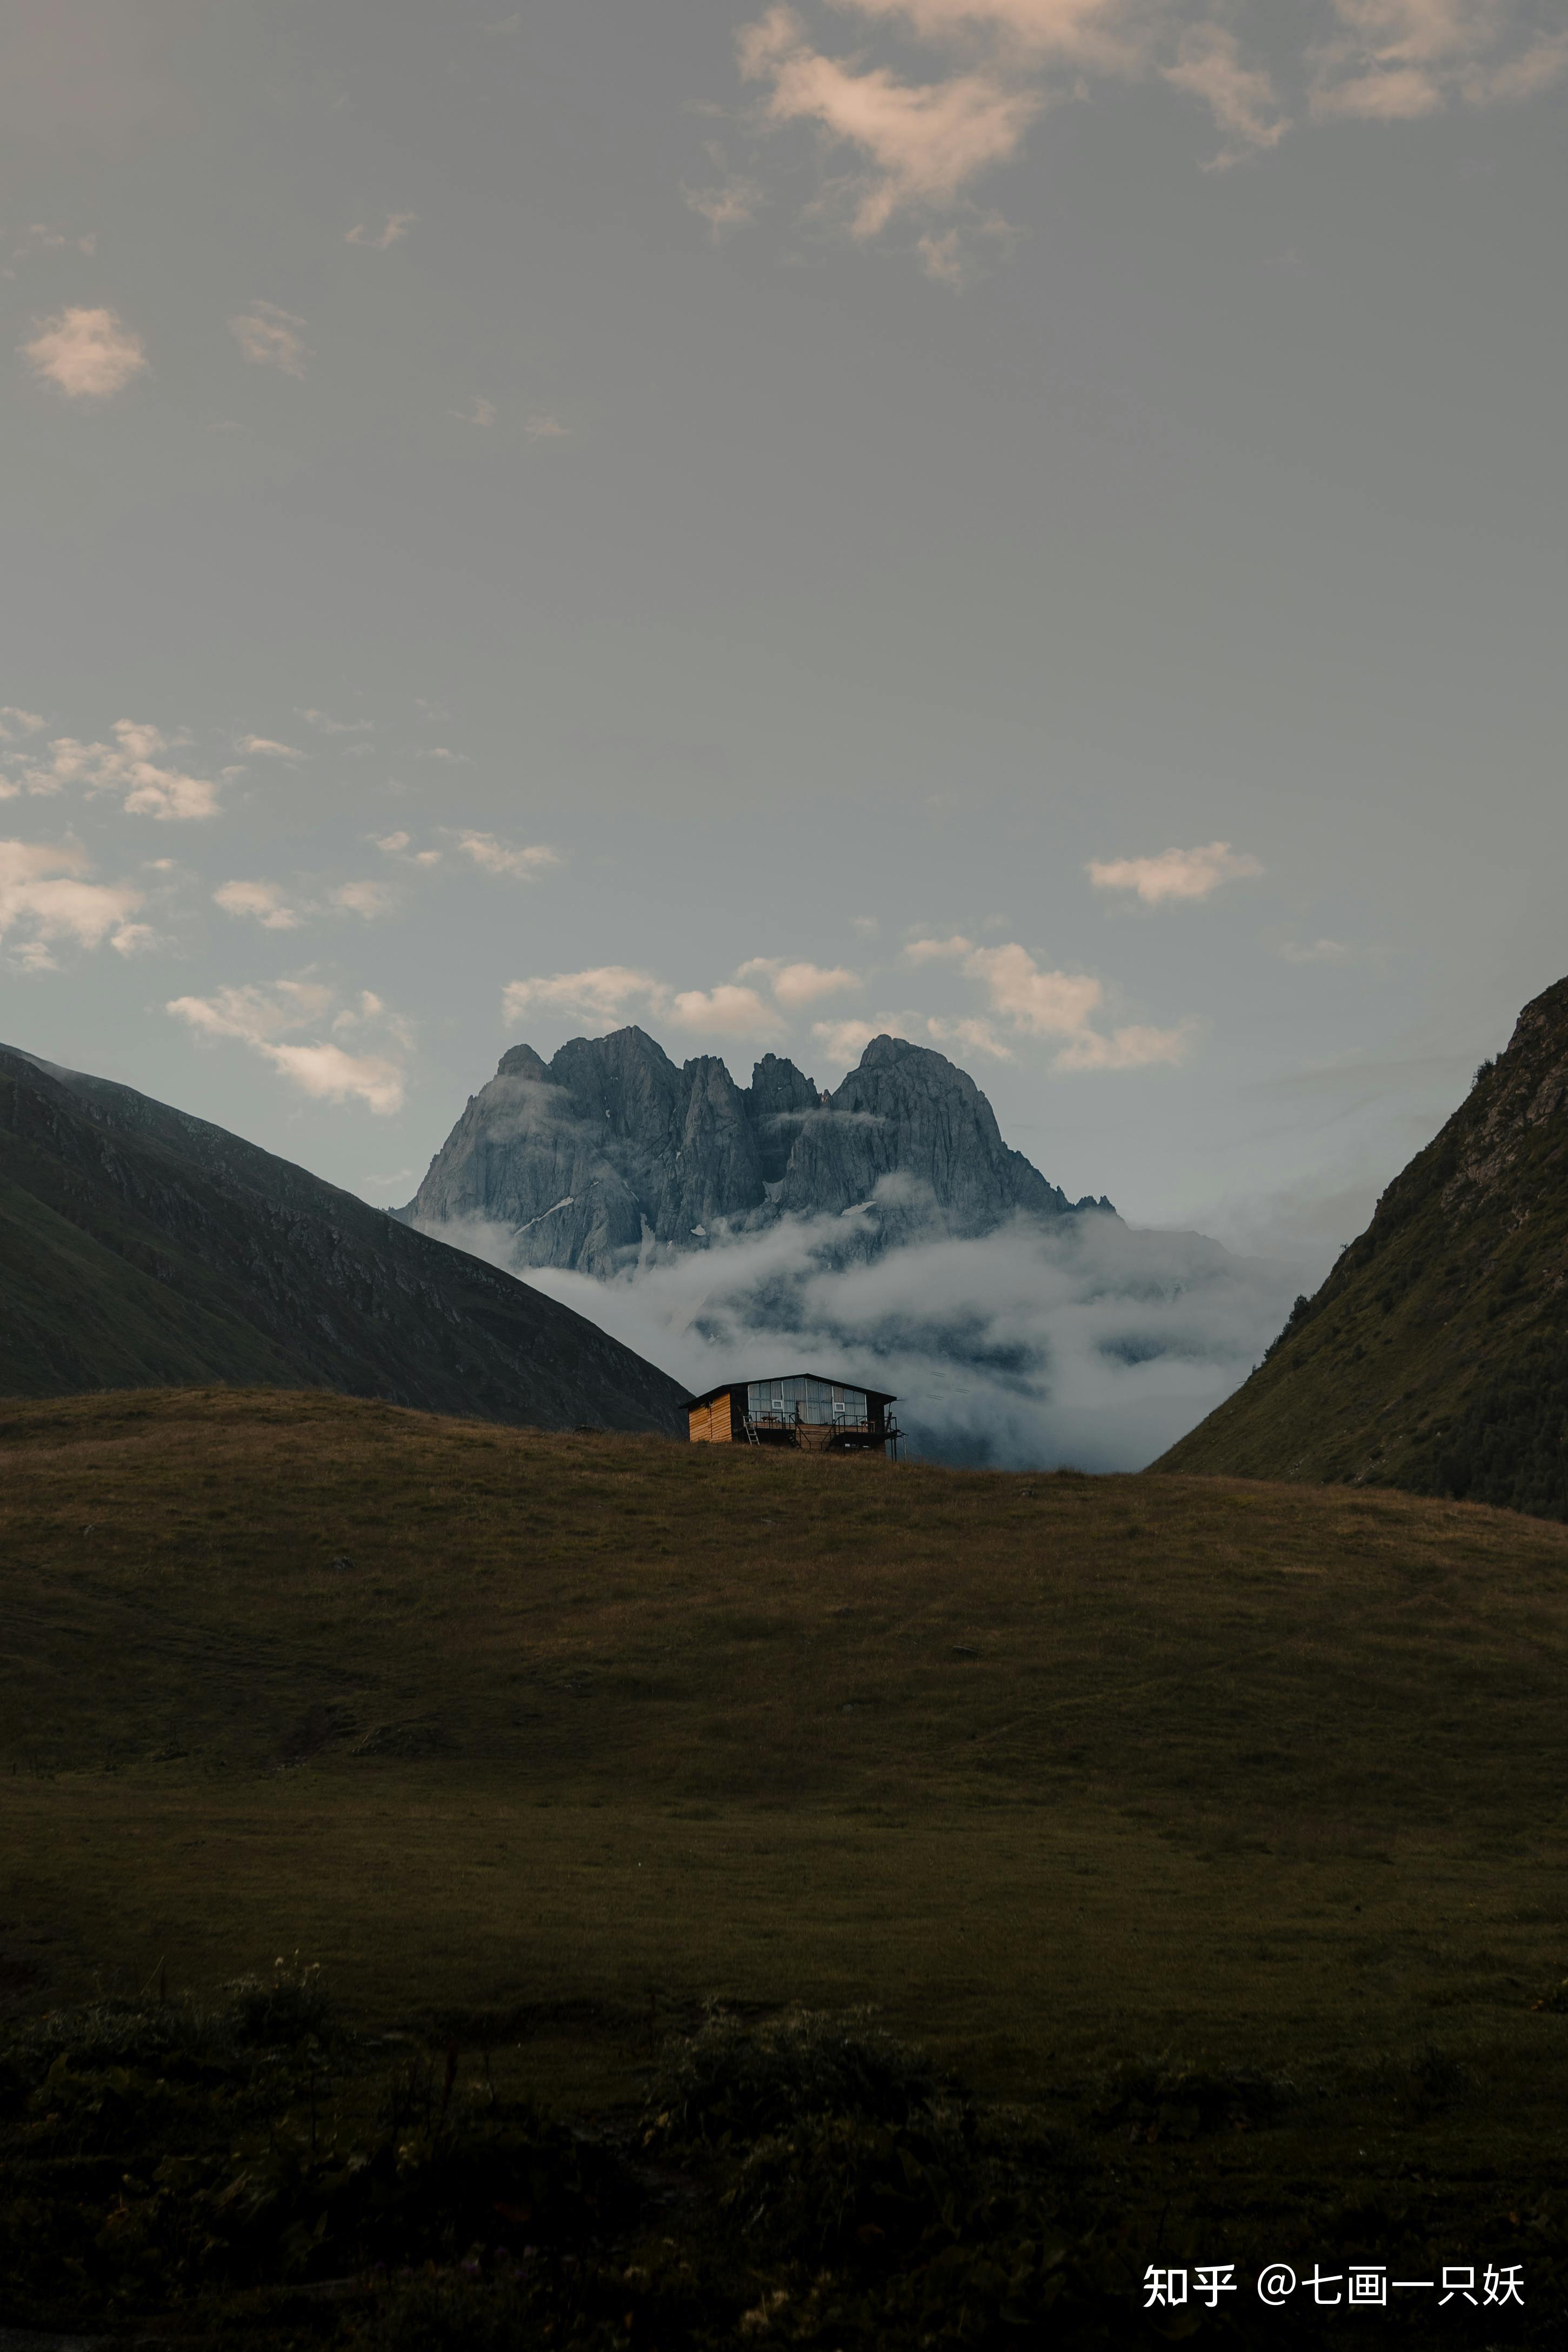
<point>140,1247</point>
<point>1436,1354</point>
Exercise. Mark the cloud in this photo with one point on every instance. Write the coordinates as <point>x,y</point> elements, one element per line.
<point>399,845</point>
<point>975,1035</point>
<point>949,951</point>
<point>1086,1343</point>
<point>726,1010</point>
<point>368,899</point>
<point>45,901</point>
<point>603,992</point>
<point>921,144</point>
<point>479,411</point>
<point>796,985</point>
<point>1320,951</point>
<point>844,1041</point>
<point>1111,37</point>
<point>262,902</point>
<point>87,355</point>
<point>325,724</point>
<point>494,856</point>
<point>270,337</point>
<point>39,237</point>
<point>1036,1003</point>
<point>129,765</point>
<point>397,227</point>
<point>1241,98</point>
<point>1175,873</point>
<point>15,723</point>
<point>866,925</point>
<point>450,758</point>
<point>263,1019</point>
<point>730,202</point>
<point>538,425</point>
<point>1133,1048</point>
<point>1398,60</point>
<point>262,747</point>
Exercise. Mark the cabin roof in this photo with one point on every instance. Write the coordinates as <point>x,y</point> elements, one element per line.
<point>726,1388</point>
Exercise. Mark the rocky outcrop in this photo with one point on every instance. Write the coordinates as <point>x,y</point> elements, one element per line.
<point>140,1247</point>
<point>611,1151</point>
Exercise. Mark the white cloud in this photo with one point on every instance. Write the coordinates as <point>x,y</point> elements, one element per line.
<point>1036,1003</point>
<point>400,846</point>
<point>85,354</point>
<point>494,856</point>
<point>921,144</point>
<point>603,992</point>
<point>1082,1342</point>
<point>539,425</point>
<point>261,902</point>
<point>1398,60</point>
<point>1113,36</point>
<point>270,337</point>
<point>726,1010</point>
<point>263,1019</point>
<point>866,925</point>
<point>129,765</point>
<point>45,901</point>
<point>479,411</point>
<point>450,758</point>
<point>796,985</point>
<point>1175,873</point>
<point>397,227</point>
<point>325,724</point>
<point>1241,98</point>
<point>973,1034</point>
<point>844,1041</point>
<point>1132,1048</point>
<point>39,237</point>
<point>368,899</point>
<point>949,951</point>
<point>262,747</point>
<point>14,722</point>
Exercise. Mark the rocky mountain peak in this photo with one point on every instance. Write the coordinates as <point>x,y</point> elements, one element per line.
<point>609,1150</point>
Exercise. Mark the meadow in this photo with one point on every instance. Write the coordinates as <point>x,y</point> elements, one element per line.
<point>1220,1823</point>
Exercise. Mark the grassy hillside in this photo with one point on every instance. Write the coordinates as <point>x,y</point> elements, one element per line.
<point>141,1247</point>
<point>1435,1358</point>
<point>1223,1823</point>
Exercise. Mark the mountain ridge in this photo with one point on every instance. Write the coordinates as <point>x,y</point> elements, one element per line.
<point>1435,1356</point>
<point>141,1246</point>
<point>611,1150</point>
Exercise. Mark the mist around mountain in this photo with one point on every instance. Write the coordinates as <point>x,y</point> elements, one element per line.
<point>884,1230</point>
<point>1435,1356</point>
<point>142,1248</point>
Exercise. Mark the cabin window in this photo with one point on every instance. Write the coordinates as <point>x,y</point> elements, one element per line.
<point>813,1400</point>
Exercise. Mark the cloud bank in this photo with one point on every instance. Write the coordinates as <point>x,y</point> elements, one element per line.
<point>1089,1344</point>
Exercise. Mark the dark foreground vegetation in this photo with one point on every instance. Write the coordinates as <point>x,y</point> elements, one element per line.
<point>252,2174</point>
<point>646,1804</point>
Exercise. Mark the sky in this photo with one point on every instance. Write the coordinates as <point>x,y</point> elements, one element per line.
<point>1037,525</point>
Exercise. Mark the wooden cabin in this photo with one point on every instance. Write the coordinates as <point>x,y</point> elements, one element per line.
<point>802,1409</point>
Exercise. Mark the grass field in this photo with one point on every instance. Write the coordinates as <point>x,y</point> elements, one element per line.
<point>546,1741</point>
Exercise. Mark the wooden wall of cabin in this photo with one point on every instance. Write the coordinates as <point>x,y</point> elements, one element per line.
<point>712,1423</point>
